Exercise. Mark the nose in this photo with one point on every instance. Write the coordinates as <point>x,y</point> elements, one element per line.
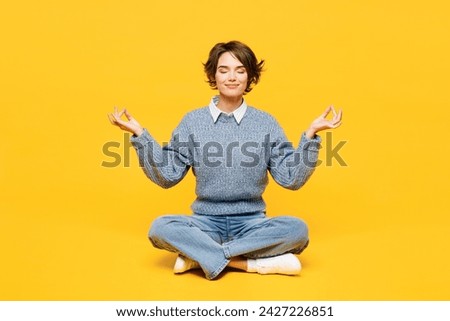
<point>232,76</point>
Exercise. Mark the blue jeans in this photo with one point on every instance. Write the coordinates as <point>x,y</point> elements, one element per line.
<point>212,240</point>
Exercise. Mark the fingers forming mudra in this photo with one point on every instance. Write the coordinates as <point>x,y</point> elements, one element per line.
<point>130,124</point>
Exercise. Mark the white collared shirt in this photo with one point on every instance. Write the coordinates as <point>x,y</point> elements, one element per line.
<point>215,111</point>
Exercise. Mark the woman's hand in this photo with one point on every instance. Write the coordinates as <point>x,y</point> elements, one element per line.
<point>131,125</point>
<point>322,123</point>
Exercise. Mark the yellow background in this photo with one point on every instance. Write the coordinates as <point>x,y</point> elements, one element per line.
<point>72,229</point>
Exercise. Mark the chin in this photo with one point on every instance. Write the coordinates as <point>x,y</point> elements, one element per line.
<point>232,93</point>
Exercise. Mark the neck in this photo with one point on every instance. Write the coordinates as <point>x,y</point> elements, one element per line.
<point>229,104</point>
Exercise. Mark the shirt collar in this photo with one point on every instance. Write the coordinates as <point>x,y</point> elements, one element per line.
<point>215,112</point>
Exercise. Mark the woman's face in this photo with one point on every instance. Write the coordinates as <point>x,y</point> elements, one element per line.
<point>231,76</point>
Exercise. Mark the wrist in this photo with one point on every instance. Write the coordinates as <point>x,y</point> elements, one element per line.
<point>138,132</point>
<point>310,133</point>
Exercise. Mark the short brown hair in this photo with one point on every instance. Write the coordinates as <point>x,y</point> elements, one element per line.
<point>241,52</point>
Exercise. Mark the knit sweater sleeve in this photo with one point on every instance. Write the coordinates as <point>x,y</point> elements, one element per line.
<point>164,165</point>
<point>290,167</point>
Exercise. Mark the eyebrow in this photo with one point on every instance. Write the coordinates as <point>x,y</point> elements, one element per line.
<point>237,67</point>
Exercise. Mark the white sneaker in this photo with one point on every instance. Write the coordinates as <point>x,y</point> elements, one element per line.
<point>183,264</point>
<point>282,264</point>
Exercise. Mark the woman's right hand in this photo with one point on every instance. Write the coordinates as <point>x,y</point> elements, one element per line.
<point>131,125</point>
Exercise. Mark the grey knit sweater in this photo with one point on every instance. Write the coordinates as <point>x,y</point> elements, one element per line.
<point>229,160</point>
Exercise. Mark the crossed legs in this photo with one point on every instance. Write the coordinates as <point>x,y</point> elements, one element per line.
<point>252,243</point>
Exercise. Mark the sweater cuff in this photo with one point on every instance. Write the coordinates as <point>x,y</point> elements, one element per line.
<point>141,140</point>
<point>310,144</point>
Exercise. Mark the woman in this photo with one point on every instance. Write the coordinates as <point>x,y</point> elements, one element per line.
<point>231,147</point>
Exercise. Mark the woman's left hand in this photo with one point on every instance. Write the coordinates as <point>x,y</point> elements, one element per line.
<point>322,123</point>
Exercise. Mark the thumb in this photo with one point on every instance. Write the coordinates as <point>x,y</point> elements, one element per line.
<point>128,115</point>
